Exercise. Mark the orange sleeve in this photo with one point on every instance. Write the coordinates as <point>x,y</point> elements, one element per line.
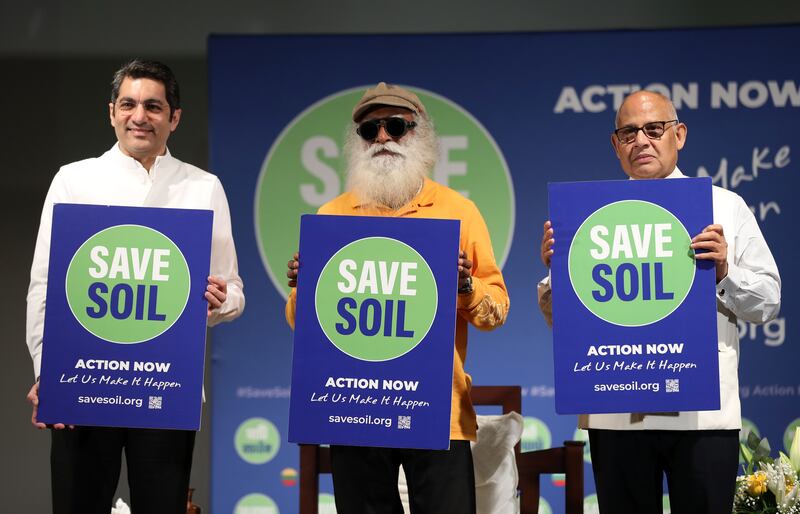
<point>487,306</point>
<point>291,307</point>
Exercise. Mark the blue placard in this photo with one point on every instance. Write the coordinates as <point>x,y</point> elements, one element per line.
<point>125,323</point>
<point>634,316</point>
<point>374,332</point>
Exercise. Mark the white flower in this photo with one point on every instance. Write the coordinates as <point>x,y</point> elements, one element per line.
<point>794,451</point>
<point>782,481</point>
<point>120,508</point>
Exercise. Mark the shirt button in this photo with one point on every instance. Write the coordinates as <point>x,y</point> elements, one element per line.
<point>722,292</point>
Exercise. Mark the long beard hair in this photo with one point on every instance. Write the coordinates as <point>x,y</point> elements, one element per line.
<point>391,180</point>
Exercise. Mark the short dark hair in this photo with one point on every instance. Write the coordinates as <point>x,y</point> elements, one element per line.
<point>138,69</point>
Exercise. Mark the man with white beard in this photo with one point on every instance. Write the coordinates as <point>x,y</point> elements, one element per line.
<point>391,149</point>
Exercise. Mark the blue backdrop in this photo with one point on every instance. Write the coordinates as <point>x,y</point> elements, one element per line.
<point>547,102</point>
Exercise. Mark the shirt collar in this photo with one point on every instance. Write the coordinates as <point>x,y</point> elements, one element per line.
<point>162,162</point>
<point>676,173</point>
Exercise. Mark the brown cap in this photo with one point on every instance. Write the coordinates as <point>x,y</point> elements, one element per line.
<point>384,94</point>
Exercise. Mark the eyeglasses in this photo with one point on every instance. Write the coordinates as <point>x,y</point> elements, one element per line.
<point>395,127</point>
<point>653,130</point>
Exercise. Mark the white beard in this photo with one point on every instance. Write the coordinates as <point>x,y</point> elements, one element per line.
<point>391,180</point>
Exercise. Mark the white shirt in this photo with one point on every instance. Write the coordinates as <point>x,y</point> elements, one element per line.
<point>116,179</point>
<point>751,291</point>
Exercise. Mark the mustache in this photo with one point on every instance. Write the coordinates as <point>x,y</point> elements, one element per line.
<point>389,146</point>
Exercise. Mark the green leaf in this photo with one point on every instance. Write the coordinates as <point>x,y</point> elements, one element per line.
<point>747,455</point>
<point>752,440</point>
<point>763,450</point>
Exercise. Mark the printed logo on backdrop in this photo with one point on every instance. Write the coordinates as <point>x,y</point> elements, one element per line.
<point>256,503</point>
<point>358,298</point>
<point>304,169</point>
<point>289,477</point>
<point>127,284</point>
<point>583,435</point>
<point>326,504</point>
<point>590,505</point>
<point>535,435</point>
<point>788,434</point>
<point>257,440</point>
<point>665,506</point>
<point>613,262</point>
<point>544,507</point>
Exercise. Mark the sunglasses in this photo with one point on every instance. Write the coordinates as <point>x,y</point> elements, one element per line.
<point>395,127</point>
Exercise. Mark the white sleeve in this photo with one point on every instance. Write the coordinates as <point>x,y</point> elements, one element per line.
<point>37,289</point>
<point>752,288</point>
<point>223,259</point>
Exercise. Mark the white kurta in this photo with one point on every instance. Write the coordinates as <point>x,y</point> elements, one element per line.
<point>116,179</point>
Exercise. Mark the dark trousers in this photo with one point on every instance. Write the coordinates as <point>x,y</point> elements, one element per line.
<point>629,468</point>
<point>439,481</point>
<point>85,466</point>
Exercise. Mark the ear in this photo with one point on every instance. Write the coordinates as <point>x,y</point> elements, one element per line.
<point>176,118</point>
<point>111,113</point>
<point>680,135</point>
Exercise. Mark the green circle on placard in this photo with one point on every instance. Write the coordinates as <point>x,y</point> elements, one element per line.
<point>256,503</point>
<point>641,253</point>
<point>257,440</point>
<point>376,299</point>
<point>304,169</point>
<point>127,284</point>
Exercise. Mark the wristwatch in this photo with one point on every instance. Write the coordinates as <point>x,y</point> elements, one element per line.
<point>467,287</point>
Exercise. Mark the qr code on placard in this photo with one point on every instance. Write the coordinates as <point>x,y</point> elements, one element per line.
<point>154,402</point>
<point>404,422</point>
<point>673,385</point>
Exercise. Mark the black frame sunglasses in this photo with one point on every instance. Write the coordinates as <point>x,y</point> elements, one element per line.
<point>395,126</point>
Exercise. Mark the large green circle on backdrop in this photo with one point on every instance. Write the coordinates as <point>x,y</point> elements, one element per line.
<point>127,284</point>
<point>376,310</point>
<point>630,263</point>
<point>304,169</point>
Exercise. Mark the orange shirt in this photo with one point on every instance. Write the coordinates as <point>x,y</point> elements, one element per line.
<point>486,307</point>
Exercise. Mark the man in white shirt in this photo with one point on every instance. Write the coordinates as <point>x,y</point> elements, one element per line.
<point>137,171</point>
<point>698,451</point>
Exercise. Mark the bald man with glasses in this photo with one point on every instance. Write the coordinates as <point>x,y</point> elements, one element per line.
<point>697,451</point>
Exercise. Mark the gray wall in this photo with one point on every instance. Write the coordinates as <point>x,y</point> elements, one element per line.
<point>56,59</point>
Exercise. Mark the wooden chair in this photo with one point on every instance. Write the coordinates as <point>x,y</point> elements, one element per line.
<point>567,459</point>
